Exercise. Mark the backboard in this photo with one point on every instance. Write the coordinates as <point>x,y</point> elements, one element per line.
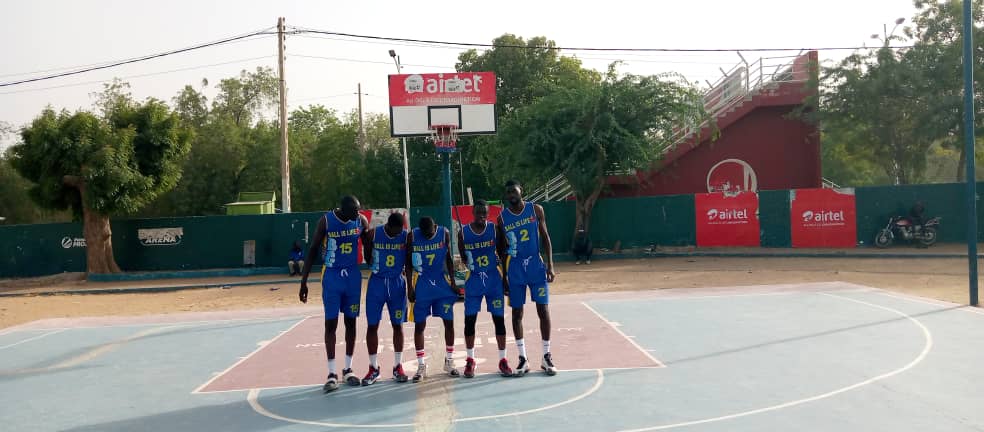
<point>465,99</point>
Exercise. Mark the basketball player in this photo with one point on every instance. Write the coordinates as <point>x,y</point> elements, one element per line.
<point>431,289</point>
<point>338,234</point>
<point>386,252</point>
<point>522,227</point>
<point>476,243</point>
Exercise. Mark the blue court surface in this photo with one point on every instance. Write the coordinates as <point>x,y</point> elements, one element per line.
<point>812,357</point>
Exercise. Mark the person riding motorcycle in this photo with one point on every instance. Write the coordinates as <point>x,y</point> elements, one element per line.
<point>916,216</point>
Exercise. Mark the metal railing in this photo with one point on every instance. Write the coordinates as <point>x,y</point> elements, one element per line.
<point>735,87</point>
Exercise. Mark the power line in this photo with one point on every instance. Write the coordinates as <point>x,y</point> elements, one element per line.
<point>140,75</point>
<point>64,68</point>
<point>388,63</point>
<point>301,30</point>
<point>136,59</point>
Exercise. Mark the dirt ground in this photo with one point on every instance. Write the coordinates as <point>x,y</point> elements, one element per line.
<point>936,278</point>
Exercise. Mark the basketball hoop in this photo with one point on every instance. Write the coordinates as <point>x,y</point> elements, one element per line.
<point>445,137</point>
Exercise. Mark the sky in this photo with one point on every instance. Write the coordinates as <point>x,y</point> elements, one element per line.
<point>42,36</point>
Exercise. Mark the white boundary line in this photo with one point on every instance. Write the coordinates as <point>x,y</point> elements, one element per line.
<point>630,340</point>
<point>253,399</point>
<point>914,299</point>
<point>17,329</point>
<point>32,339</point>
<point>922,355</point>
<point>257,350</point>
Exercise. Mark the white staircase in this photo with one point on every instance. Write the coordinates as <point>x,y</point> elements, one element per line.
<point>736,88</point>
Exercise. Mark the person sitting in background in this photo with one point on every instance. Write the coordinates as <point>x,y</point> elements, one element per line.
<point>916,216</point>
<point>582,246</point>
<point>296,262</point>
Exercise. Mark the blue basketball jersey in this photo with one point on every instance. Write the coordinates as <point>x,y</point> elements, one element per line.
<point>522,232</point>
<point>429,254</point>
<point>341,242</point>
<point>389,254</point>
<point>480,248</point>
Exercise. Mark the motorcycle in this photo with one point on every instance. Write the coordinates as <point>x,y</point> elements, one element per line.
<point>901,228</point>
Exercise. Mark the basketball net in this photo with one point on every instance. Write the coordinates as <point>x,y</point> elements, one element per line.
<point>445,138</point>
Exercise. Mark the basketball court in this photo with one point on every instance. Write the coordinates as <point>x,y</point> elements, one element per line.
<point>815,357</point>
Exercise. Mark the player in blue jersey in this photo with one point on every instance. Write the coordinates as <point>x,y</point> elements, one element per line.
<point>386,252</point>
<point>337,235</point>
<point>522,229</point>
<point>432,289</point>
<point>476,243</point>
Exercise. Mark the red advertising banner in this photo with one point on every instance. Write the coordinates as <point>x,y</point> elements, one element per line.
<point>726,219</point>
<point>462,88</point>
<point>463,214</point>
<point>823,218</point>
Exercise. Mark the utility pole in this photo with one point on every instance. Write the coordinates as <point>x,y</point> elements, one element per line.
<point>406,169</point>
<point>362,129</point>
<point>284,156</point>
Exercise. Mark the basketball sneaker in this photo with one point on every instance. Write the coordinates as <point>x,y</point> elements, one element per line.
<point>371,376</point>
<point>522,368</point>
<point>421,372</point>
<point>504,368</point>
<point>469,368</point>
<point>450,369</point>
<point>350,377</point>
<point>332,383</point>
<point>399,375</point>
<point>548,365</point>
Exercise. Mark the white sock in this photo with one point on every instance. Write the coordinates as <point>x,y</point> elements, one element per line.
<point>471,352</point>
<point>420,357</point>
<point>348,362</point>
<point>397,358</point>
<point>502,354</point>
<point>331,366</point>
<point>372,361</point>
<point>521,346</point>
<point>450,352</point>
<point>546,347</point>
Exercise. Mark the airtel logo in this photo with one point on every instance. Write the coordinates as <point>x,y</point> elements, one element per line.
<point>417,84</point>
<point>823,216</point>
<point>727,215</point>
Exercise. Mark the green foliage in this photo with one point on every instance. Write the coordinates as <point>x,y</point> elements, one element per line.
<point>120,163</point>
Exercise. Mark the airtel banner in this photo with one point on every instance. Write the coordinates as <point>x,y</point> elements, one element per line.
<point>725,219</point>
<point>464,88</point>
<point>823,218</point>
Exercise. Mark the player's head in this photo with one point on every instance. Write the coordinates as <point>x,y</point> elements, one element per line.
<point>480,211</point>
<point>514,192</point>
<point>395,221</point>
<point>427,226</point>
<point>350,207</point>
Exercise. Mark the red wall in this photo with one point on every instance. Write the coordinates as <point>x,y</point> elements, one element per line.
<point>783,153</point>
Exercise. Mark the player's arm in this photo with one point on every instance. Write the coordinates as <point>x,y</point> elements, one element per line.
<point>545,236</point>
<point>368,236</point>
<point>408,268</point>
<point>461,245</point>
<point>319,237</point>
<point>500,249</point>
<point>449,261</point>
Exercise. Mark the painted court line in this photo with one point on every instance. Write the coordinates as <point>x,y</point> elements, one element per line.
<point>258,349</point>
<point>932,302</point>
<point>22,328</point>
<point>32,339</point>
<point>632,341</point>
<point>922,355</point>
<point>253,399</point>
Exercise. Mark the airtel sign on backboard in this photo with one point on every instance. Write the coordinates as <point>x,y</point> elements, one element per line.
<point>465,99</point>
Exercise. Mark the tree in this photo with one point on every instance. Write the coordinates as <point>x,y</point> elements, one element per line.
<point>525,71</point>
<point>192,106</point>
<point>585,131</point>
<point>101,167</point>
<point>880,97</point>
<point>242,98</point>
<point>938,54</point>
